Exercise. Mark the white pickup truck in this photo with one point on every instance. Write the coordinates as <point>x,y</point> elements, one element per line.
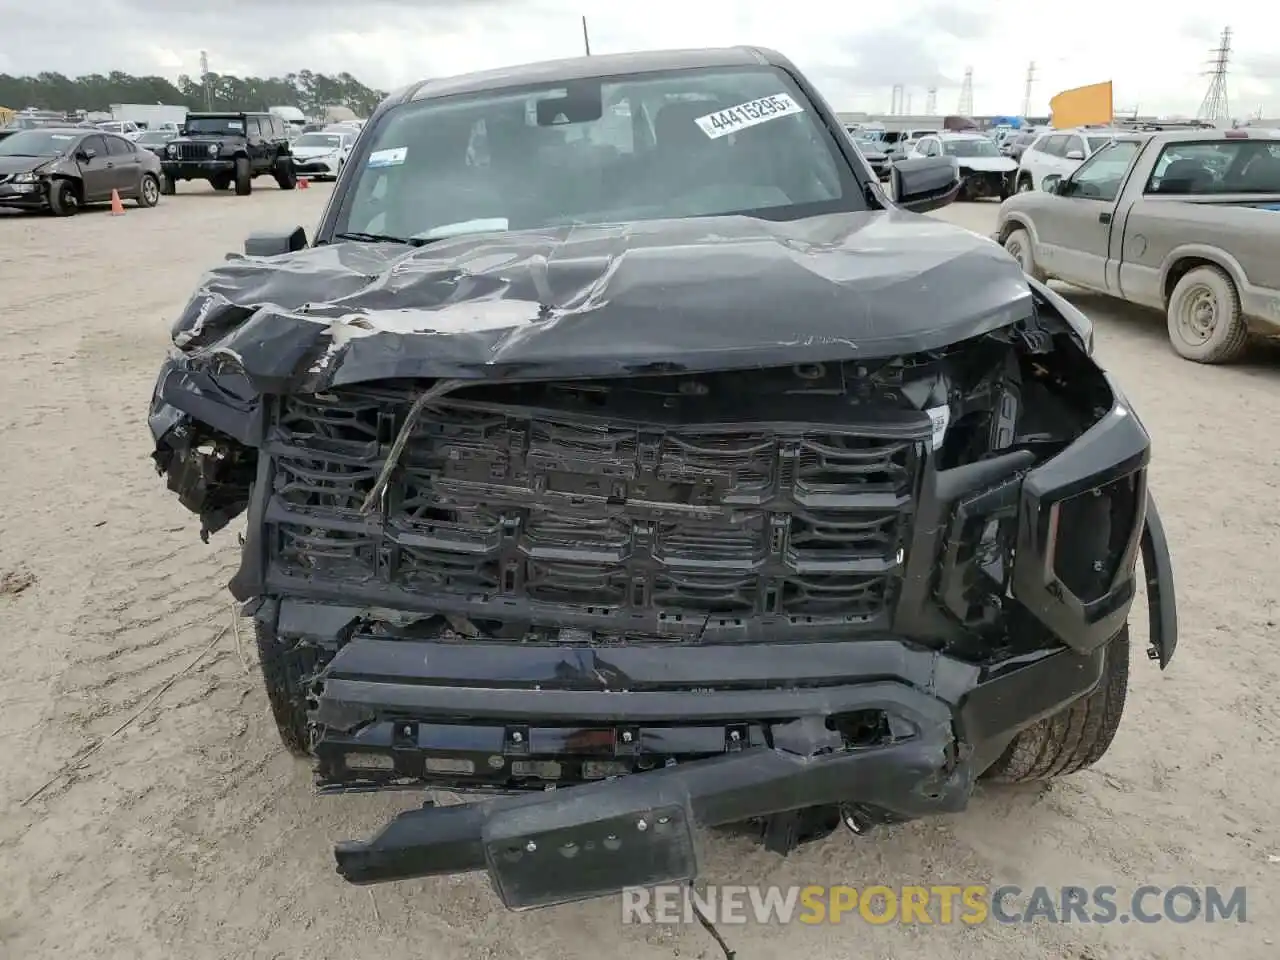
<point>1187,222</point>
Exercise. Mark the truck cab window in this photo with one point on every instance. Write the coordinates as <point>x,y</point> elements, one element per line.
<point>1100,177</point>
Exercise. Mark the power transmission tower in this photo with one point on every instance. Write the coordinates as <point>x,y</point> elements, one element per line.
<point>1214,106</point>
<point>895,104</point>
<point>931,102</point>
<point>965,108</point>
<point>1026,97</point>
<point>204,80</point>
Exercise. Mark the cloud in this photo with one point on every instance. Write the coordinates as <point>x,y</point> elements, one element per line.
<point>856,54</point>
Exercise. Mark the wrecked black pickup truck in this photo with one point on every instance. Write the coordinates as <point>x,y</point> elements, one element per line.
<point>618,449</point>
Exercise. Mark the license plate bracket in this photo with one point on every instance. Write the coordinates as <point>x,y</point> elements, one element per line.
<point>597,844</point>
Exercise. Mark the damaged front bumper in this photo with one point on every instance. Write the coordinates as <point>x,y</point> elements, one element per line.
<point>943,722</point>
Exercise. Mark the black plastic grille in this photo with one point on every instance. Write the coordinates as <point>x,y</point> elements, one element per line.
<point>193,151</point>
<point>564,508</point>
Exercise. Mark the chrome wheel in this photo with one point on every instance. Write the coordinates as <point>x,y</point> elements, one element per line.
<point>150,191</point>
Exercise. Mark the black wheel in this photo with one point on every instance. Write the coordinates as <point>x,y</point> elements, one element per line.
<point>285,173</point>
<point>221,183</point>
<point>287,670</point>
<point>64,200</point>
<point>244,177</point>
<point>168,186</point>
<point>1076,738</point>
<point>1025,183</point>
<point>148,191</point>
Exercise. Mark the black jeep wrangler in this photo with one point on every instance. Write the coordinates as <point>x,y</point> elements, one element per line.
<point>229,148</point>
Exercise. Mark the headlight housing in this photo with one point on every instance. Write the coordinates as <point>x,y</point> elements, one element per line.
<point>172,149</point>
<point>214,149</point>
<point>25,177</point>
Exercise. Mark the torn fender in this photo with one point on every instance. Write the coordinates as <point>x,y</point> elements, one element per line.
<point>1157,566</point>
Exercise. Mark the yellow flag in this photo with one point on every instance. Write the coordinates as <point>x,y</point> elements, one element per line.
<point>1075,108</point>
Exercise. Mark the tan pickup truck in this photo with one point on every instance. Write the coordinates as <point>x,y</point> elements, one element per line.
<point>1187,222</point>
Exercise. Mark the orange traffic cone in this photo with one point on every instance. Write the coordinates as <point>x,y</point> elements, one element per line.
<point>117,208</point>
<point>304,183</point>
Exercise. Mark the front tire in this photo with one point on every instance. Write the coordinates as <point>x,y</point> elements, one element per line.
<point>148,191</point>
<point>63,198</point>
<point>243,177</point>
<point>1018,245</point>
<point>168,186</point>
<point>287,670</point>
<point>1077,737</point>
<point>1025,184</point>
<point>1205,323</point>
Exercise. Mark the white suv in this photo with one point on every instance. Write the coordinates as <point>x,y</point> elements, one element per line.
<point>1060,152</point>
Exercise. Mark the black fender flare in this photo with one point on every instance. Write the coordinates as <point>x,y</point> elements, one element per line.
<point>1162,605</point>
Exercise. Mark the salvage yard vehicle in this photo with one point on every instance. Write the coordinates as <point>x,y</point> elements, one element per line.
<point>873,151</point>
<point>1059,152</point>
<point>230,149</point>
<point>62,170</point>
<point>654,472</point>
<point>1182,221</point>
<point>983,172</point>
<point>322,155</point>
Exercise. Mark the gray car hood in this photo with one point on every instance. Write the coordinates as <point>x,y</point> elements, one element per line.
<point>693,294</point>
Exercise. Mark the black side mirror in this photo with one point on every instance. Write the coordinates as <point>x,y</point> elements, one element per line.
<point>273,244</point>
<point>84,156</point>
<point>922,184</point>
<point>1054,183</point>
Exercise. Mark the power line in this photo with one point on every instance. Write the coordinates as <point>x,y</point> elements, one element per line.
<point>1214,107</point>
<point>965,108</point>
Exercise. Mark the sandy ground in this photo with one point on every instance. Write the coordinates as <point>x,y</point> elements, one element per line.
<point>191,834</point>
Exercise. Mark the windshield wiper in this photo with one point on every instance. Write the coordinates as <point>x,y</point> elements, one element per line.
<point>381,238</point>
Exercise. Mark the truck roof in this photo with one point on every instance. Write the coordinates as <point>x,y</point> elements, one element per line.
<point>585,68</point>
<point>1194,135</point>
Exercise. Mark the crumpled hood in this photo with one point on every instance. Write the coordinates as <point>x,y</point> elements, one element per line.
<point>312,152</point>
<point>695,294</point>
<point>987,164</point>
<point>22,164</point>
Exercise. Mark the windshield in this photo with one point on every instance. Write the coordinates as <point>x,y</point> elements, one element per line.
<point>332,140</point>
<point>977,147</point>
<point>675,144</point>
<point>155,137</point>
<point>1097,143</point>
<point>37,143</point>
<point>215,126</point>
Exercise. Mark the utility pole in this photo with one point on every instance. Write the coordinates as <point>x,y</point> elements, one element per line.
<point>1026,97</point>
<point>586,38</point>
<point>895,107</point>
<point>965,107</point>
<point>204,80</point>
<point>1214,107</point>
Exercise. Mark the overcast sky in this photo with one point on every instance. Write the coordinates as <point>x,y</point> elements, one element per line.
<point>1154,53</point>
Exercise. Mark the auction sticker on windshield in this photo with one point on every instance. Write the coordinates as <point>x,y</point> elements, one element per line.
<point>392,157</point>
<point>761,110</point>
